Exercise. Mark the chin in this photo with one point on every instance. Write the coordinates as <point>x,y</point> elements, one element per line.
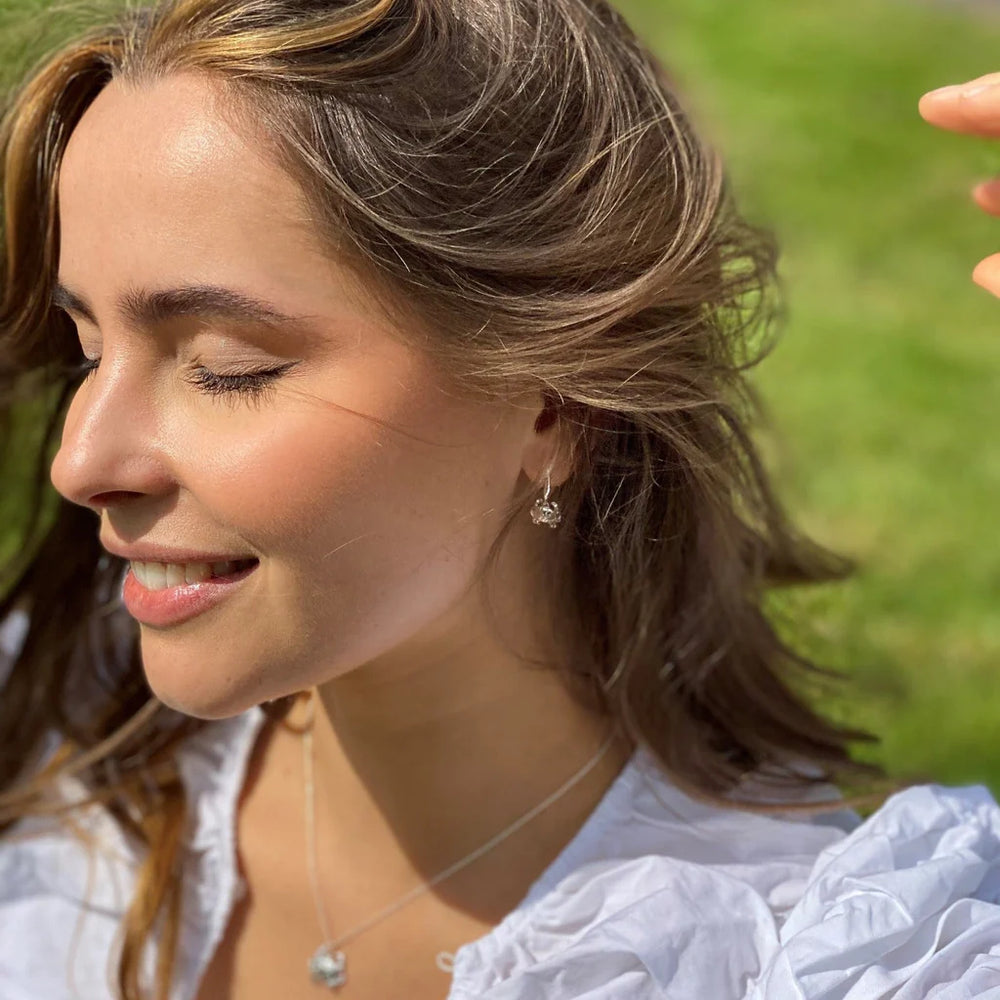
<point>191,689</point>
<point>198,707</point>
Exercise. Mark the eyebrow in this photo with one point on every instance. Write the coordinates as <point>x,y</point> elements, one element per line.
<point>146,308</point>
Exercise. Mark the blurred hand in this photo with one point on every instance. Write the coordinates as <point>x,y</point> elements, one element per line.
<point>973,108</point>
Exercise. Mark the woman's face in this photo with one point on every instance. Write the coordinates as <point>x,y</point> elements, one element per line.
<point>367,490</point>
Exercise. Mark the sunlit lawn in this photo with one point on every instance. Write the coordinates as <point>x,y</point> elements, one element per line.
<point>886,385</point>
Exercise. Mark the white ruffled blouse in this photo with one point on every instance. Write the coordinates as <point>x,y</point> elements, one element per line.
<point>656,896</point>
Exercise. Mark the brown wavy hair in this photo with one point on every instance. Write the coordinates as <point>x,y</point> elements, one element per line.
<point>519,177</point>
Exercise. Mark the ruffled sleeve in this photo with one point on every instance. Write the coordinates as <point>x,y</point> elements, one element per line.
<point>643,929</point>
<point>907,907</point>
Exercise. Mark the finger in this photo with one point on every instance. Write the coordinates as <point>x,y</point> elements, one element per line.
<point>972,108</point>
<point>987,274</point>
<point>987,196</point>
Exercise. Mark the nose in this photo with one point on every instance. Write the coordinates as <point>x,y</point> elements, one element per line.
<point>109,452</point>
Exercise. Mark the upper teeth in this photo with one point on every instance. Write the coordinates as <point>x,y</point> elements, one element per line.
<point>159,576</point>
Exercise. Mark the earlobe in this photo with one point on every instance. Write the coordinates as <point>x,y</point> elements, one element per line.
<point>548,455</point>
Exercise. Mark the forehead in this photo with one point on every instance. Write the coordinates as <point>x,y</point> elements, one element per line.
<point>168,142</point>
<point>157,188</point>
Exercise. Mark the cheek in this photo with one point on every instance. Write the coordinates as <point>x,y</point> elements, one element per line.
<point>278,479</point>
<point>367,536</point>
<point>370,530</point>
<point>317,491</point>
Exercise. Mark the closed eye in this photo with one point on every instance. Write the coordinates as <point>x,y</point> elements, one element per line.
<point>252,384</point>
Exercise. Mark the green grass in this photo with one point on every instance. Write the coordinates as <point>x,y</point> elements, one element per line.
<point>885,386</point>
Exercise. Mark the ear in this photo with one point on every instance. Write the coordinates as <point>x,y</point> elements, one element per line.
<point>548,445</point>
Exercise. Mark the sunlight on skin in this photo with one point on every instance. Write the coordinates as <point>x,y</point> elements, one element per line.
<point>366,486</point>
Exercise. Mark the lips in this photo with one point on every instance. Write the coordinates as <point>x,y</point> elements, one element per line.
<point>171,605</point>
<point>151,552</point>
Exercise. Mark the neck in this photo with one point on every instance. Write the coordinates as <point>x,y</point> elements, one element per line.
<point>423,757</point>
<point>408,801</point>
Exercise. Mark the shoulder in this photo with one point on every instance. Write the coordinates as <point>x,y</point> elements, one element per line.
<point>657,895</point>
<point>670,898</point>
<point>907,906</point>
<point>65,886</point>
<point>60,902</point>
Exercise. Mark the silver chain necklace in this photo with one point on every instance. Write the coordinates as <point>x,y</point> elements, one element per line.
<point>329,965</point>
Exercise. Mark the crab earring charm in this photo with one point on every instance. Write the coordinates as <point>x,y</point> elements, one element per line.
<point>546,511</point>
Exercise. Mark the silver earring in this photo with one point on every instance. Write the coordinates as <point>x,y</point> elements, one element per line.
<point>546,511</point>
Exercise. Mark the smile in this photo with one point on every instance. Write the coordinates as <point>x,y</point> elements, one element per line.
<point>165,594</point>
<point>160,576</point>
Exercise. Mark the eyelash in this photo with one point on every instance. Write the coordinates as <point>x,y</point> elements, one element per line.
<point>248,385</point>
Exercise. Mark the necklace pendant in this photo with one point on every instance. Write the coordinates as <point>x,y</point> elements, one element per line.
<point>328,967</point>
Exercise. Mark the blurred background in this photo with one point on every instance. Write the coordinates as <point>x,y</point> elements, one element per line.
<point>884,388</point>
